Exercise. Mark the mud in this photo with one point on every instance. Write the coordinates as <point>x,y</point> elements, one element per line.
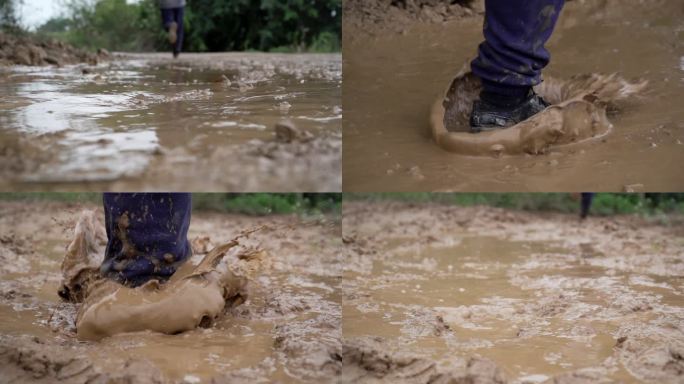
<point>393,77</point>
<point>577,114</point>
<point>140,122</point>
<point>379,15</point>
<point>287,328</point>
<point>436,293</point>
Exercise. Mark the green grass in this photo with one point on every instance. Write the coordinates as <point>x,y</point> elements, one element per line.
<point>604,203</point>
<point>255,204</point>
<point>258,204</point>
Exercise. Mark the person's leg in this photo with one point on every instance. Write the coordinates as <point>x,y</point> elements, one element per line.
<point>587,198</point>
<point>167,17</point>
<point>180,32</point>
<point>147,235</point>
<point>170,25</point>
<point>511,59</point>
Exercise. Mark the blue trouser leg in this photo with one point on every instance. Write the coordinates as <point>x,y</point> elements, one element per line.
<point>171,15</point>
<point>147,235</point>
<point>511,58</point>
<point>587,199</point>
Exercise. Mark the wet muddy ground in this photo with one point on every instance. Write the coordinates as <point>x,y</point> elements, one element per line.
<point>288,330</point>
<point>147,122</point>
<point>434,293</point>
<point>393,72</point>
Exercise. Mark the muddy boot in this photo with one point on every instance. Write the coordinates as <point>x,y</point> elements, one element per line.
<point>81,264</point>
<point>173,33</point>
<point>489,115</point>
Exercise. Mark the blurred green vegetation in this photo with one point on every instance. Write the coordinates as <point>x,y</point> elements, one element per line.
<point>604,203</point>
<point>210,25</point>
<point>256,204</point>
<point>330,203</point>
<point>8,15</point>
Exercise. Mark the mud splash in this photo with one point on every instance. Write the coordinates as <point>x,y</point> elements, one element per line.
<point>139,122</point>
<point>194,296</point>
<point>577,113</point>
<point>392,78</point>
<point>287,329</point>
<point>432,291</point>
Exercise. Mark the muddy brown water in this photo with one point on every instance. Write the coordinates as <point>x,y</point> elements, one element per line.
<point>288,330</point>
<point>539,296</point>
<point>391,79</point>
<point>134,123</point>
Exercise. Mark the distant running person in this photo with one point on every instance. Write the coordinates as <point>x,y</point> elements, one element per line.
<point>510,61</point>
<point>172,17</point>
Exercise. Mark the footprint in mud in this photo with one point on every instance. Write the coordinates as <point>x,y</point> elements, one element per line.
<point>194,296</point>
<point>577,113</point>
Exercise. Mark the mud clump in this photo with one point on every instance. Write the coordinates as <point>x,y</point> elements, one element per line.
<point>31,51</point>
<point>81,265</point>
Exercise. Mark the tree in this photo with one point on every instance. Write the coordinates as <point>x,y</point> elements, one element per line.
<point>9,19</point>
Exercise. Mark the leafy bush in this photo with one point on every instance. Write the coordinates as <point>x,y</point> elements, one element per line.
<point>210,25</point>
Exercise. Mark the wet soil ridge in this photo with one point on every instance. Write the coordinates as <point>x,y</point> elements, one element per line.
<point>578,113</point>
<point>28,50</point>
<point>394,14</point>
<point>532,297</point>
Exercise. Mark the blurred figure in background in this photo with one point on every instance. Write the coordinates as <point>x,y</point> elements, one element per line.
<point>585,204</point>
<point>172,18</point>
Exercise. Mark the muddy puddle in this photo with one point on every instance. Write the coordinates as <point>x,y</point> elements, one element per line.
<point>144,122</point>
<point>392,78</point>
<point>287,330</point>
<point>434,292</point>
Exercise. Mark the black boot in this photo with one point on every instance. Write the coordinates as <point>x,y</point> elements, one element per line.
<point>495,112</point>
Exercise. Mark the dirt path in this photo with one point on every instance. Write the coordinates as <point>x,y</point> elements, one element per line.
<point>147,122</point>
<point>288,330</point>
<point>434,293</point>
<point>396,66</point>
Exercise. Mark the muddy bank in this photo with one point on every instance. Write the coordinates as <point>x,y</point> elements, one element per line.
<point>377,15</point>
<point>434,293</point>
<point>392,80</point>
<point>31,51</point>
<point>288,329</point>
<point>143,121</point>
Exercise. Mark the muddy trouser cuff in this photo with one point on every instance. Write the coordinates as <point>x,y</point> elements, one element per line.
<point>147,235</point>
<point>513,54</point>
